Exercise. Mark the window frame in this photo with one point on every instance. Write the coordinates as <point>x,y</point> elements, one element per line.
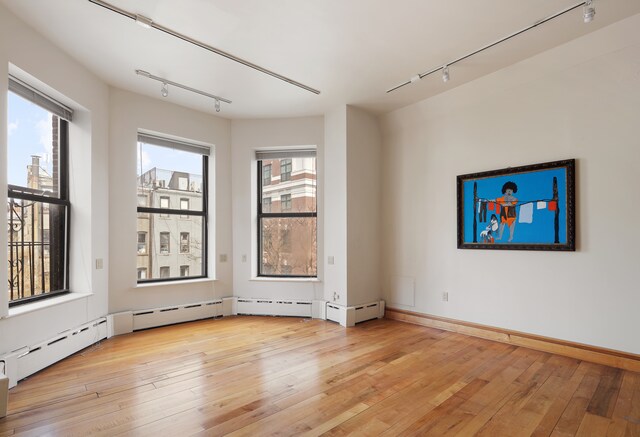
<point>146,243</point>
<point>289,214</point>
<point>289,165</point>
<point>204,213</point>
<point>168,243</point>
<point>264,178</point>
<point>168,270</point>
<point>188,246</point>
<point>24,194</point>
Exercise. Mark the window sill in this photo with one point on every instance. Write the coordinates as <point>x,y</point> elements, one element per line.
<point>45,303</point>
<point>176,282</point>
<point>271,279</point>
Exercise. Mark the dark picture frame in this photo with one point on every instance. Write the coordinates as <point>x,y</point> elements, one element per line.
<point>531,207</point>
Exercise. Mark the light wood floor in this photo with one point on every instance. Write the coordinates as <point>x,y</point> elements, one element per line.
<point>286,376</point>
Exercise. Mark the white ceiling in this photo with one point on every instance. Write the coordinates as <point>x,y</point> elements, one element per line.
<point>351,50</point>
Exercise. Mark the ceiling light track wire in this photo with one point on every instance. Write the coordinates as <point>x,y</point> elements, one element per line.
<point>179,85</point>
<point>488,46</point>
<point>207,47</point>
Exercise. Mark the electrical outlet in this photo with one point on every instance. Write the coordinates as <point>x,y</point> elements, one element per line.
<point>223,257</point>
<point>244,258</point>
<point>336,296</point>
<point>445,296</point>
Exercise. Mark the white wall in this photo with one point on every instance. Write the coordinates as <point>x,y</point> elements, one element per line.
<point>580,100</point>
<point>56,73</point>
<point>247,136</point>
<point>335,218</point>
<point>129,113</point>
<point>364,228</point>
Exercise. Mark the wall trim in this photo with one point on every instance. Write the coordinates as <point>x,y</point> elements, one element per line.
<point>595,354</point>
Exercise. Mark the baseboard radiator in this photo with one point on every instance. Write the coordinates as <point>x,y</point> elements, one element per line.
<point>273,307</point>
<point>350,315</point>
<point>28,360</point>
<point>153,318</point>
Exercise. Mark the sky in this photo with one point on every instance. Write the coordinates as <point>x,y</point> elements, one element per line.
<point>29,129</point>
<point>150,156</point>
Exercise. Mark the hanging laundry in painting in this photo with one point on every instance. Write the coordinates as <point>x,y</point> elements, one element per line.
<point>526,213</point>
<point>482,211</point>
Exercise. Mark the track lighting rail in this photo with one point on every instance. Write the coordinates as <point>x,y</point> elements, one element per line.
<point>589,13</point>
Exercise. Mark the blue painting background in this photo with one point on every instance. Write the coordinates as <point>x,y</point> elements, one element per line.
<point>536,185</point>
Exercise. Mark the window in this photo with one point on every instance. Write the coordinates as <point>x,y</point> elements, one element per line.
<point>285,170</point>
<point>266,204</point>
<point>142,273</point>
<point>37,198</point>
<point>287,234</point>
<point>183,183</point>
<point>165,272</point>
<point>184,205</point>
<point>173,176</point>
<point>165,243</point>
<point>285,202</point>
<point>164,204</point>
<point>184,271</point>
<point>266,174</point>
<point>184,242</point>
<point>142,243</point>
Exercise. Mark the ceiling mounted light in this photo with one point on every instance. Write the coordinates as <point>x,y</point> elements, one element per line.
<point>589,11</point>
<point>165,88</point>
<point>147,22</point>
<point>144,21</point>
<point>445,74</point>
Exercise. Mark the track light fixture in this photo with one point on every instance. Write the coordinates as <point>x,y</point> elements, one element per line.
<point>143,21</point>
<point>149,23</point>
<point>589,11</point>
<point>445,74</point>
<point>165,88</point>
<point>588,15</point>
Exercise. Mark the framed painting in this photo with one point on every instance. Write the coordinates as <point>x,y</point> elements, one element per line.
<point>523,208</point>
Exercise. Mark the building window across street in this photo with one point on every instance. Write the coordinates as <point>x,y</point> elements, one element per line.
<point>172,181</point>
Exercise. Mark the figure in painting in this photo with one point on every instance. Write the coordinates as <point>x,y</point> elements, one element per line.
<point>487,235</point>
<point>508,209</point>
